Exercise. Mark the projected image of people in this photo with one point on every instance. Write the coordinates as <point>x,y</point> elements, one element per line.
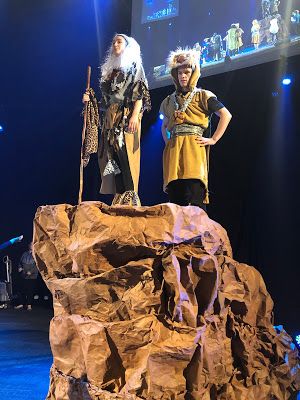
<point>154,10</point>
<point>226,35</point>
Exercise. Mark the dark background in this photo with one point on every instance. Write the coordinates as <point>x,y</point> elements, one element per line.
<point>254,178</point>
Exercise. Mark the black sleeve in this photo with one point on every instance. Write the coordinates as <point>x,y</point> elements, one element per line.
<point>214,105</point>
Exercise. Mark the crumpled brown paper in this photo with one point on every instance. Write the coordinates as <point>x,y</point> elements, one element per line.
<point>149,304</point>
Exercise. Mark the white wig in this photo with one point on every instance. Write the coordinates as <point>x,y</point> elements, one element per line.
<point>131,53</point>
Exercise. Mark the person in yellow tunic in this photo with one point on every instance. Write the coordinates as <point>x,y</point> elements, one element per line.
<point>186,117</point>
<point>255,33</point>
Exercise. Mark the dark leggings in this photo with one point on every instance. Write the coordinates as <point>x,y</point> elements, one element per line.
<point>124,179</point>
<point>28,289</point>
<point>185,192</point>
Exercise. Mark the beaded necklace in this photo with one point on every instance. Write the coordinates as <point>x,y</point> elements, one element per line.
<point>179,111</point>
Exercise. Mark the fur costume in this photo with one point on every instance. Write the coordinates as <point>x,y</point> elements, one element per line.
<point>184,57</point>
<point>181,57</point>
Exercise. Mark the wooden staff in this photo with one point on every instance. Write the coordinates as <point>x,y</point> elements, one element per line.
<point>88,82</point>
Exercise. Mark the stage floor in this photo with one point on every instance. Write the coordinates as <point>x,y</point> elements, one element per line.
<point>25,355</point>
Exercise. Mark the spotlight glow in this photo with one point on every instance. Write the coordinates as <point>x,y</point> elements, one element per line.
<point>286,81</point>
<point>161,116</point>
<point>1,129</point>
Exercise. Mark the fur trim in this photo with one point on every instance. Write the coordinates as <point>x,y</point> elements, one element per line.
<point>181,57</point>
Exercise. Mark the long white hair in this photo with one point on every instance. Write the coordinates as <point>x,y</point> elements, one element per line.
<point>131,53</point>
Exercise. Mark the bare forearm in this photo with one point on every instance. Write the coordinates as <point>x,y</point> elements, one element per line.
<point>137,107</point>
<point>164,134</point>
<point>133,124</point>
<point>224,120</point>
<point>164,128</point>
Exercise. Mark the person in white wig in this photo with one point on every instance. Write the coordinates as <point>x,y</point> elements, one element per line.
<point>124,97</point>
<point>187,114</point>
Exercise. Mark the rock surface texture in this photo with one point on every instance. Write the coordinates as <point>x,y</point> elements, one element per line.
<point>149,304</point>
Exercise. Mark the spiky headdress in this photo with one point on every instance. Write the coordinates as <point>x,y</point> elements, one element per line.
<point>181,57</point>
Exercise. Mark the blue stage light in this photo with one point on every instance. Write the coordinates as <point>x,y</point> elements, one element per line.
<point>1,129</point>
<point>286,81</point>
<point>297,339</point>
<point>161,116</point>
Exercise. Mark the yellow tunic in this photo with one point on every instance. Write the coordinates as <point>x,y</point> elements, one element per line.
<point>183,157</point>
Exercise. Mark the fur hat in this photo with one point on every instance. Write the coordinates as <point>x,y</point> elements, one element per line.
<point>181,57</point>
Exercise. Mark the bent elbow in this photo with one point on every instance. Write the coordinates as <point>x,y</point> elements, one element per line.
<point>227,114</point>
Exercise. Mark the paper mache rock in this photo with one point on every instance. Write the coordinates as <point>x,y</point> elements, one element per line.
<point>149,304</point>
